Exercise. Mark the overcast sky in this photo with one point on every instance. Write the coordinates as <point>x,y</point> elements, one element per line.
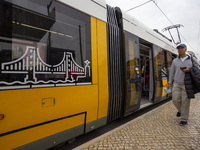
<point>184,12</point>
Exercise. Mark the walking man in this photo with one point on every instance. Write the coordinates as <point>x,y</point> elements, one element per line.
<point>179,67</point>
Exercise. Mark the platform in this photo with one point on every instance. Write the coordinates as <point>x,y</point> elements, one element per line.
<point>158,129</point>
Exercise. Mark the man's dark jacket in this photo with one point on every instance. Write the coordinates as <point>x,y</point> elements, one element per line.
<point>192,80</point>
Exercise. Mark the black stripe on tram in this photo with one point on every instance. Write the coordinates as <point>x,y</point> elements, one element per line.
<point>47,122</point>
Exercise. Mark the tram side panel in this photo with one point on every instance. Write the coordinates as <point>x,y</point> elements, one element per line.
<point>100,72</point>
<point>102,69</point>
<point>41,115</point>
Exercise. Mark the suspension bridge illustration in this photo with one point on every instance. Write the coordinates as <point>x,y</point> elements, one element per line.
<point>31,65</point>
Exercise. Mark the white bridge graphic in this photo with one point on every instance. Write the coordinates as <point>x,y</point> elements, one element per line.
<point>31,65</point>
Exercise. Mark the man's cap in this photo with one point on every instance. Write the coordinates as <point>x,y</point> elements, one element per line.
<point>181,45</point>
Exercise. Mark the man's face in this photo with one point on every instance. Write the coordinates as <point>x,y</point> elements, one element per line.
<point>181,50</point>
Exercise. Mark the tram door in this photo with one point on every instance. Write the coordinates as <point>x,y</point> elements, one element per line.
<point>161,61</point>
<point>133,73</point>
<point>146,75</point>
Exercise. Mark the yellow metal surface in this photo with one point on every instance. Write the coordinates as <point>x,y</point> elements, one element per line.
<point>24,137</point>
<point>164,82</point>
<point>27,107</point>
<point>47,102</point>
<point>94,50</point>
<point>102,68</point>
<point>23,107</point>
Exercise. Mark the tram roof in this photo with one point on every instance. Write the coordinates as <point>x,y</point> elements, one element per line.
<point>137,28</point>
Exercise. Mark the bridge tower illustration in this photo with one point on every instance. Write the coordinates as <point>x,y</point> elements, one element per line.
<point>31,64</point>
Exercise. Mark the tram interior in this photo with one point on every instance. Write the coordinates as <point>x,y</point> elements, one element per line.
<point>145,74</point>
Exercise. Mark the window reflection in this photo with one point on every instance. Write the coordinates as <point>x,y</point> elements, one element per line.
<point>132,69</point>
<point>161,72</point>
<point>48,31</point>
<point>169,60</point>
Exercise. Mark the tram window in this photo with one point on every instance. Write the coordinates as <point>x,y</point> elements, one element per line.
<point>132,56</point>
<point>160,71</point>
<point>51,29</point>
<point>169,60</point>
<point>160,63</point>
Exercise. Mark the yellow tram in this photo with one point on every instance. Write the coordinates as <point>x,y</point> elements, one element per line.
<point>68,67</point>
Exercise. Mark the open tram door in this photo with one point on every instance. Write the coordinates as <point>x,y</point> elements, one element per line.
<point>133,73</point>
<point>139,73</point>
<point>146,75</point>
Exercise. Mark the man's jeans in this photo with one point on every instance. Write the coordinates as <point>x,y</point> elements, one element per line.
<point>181,101</point>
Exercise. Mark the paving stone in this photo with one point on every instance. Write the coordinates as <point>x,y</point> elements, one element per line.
<point>156,130</point>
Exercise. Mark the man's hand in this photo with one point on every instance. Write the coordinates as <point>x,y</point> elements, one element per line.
<point>186,69</point>
<point>169,86</point>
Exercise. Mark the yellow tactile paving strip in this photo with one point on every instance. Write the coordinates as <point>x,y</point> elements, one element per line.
<point>156,130</point>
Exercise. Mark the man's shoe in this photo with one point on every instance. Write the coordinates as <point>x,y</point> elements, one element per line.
<point>183,123</point>
<point>178,114</point>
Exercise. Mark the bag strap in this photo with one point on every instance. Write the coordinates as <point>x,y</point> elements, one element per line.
<point>192,61</point>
